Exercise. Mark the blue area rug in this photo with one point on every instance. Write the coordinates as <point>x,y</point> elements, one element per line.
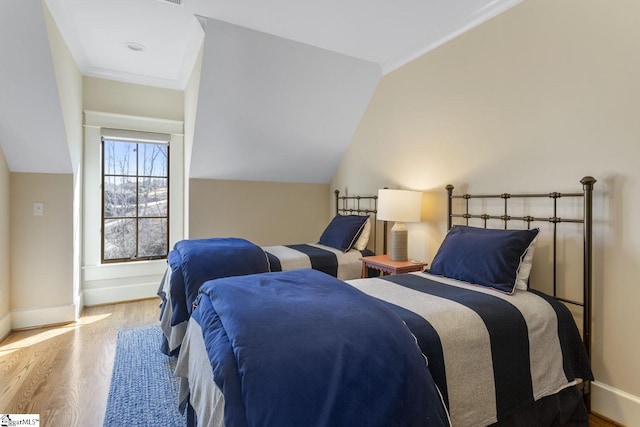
<point>143,391</point>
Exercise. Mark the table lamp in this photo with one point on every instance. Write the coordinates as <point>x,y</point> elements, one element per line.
<point>399,206</point>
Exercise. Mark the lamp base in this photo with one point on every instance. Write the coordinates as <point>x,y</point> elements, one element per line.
<point>399,242</point>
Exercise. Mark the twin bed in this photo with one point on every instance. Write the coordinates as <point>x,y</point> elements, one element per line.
<point>465,343</point>
<point>192,262</point>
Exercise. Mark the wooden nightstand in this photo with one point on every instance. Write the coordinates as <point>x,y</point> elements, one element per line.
<point>384,264</point>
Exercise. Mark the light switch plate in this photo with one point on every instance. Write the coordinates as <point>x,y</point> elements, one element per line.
<point>38,208</point>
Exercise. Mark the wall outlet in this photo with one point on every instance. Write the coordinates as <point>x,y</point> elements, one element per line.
<point>38,208</point>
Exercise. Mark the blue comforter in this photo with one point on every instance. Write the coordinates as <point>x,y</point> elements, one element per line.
<point>195,261</point>
<point>302,348</point>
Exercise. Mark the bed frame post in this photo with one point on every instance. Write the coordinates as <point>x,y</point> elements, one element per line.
<point>587,185</point>
<point>449,206</point>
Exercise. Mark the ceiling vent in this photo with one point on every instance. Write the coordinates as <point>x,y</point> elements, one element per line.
<point>176,2</point>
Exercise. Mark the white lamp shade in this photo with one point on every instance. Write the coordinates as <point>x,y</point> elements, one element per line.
<point>399,205</point>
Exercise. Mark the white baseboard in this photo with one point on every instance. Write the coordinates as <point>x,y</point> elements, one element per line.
<point>36,317</point>
<point>111,295</point>
<point>5,325</point>
<point>615,404</point>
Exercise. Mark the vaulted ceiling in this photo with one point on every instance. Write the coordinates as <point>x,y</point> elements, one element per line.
<point>283,83</point>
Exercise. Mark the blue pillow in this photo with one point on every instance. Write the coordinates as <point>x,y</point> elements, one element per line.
<point>482,256</point>
<point>343,231</point>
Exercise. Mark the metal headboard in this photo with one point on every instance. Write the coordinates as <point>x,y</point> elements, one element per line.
<point>586,220</point>
<point>360,205</point>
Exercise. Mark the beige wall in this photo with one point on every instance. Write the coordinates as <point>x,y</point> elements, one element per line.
<point>532,100</point>
<point>5,291</point>
<point>128,106</point>
<point>266,213</point>
<point>110,96</point>
<point>41,246</point>
<point>190,114</point>
<point>69,82</point>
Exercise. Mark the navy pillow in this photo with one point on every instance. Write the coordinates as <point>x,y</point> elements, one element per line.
<point>483,256</point>
<point>343,231</point>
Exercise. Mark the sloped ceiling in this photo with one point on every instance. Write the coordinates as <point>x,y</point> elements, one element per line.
<point>273,109</point>
<point>32,133</point>
<point>389,33</point>
<point>282,87</point>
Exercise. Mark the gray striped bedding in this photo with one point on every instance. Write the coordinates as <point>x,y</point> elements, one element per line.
<point>491,354</point>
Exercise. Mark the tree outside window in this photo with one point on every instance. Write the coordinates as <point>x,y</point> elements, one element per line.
<point>135,194</point>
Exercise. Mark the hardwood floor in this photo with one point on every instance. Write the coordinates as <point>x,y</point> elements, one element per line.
<point>63,373</point>
<point>598,421</point>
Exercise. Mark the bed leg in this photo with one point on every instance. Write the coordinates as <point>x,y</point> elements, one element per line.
<point>585,388</point>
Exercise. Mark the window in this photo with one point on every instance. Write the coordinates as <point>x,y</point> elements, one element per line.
<point>135,200</point>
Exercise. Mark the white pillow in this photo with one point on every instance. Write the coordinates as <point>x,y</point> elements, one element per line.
<point>363,240</point>
<point>522,281</point>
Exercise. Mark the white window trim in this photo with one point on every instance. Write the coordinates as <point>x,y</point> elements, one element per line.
<point>106,283</point>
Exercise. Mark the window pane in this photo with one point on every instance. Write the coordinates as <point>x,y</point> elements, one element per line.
<point>119,158</point>
<point>119,196</point>
<point>152,235</point>
<point>152,196</point>
<point>153,159</point>
<point>136,195</point>
<point>119,238</point>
